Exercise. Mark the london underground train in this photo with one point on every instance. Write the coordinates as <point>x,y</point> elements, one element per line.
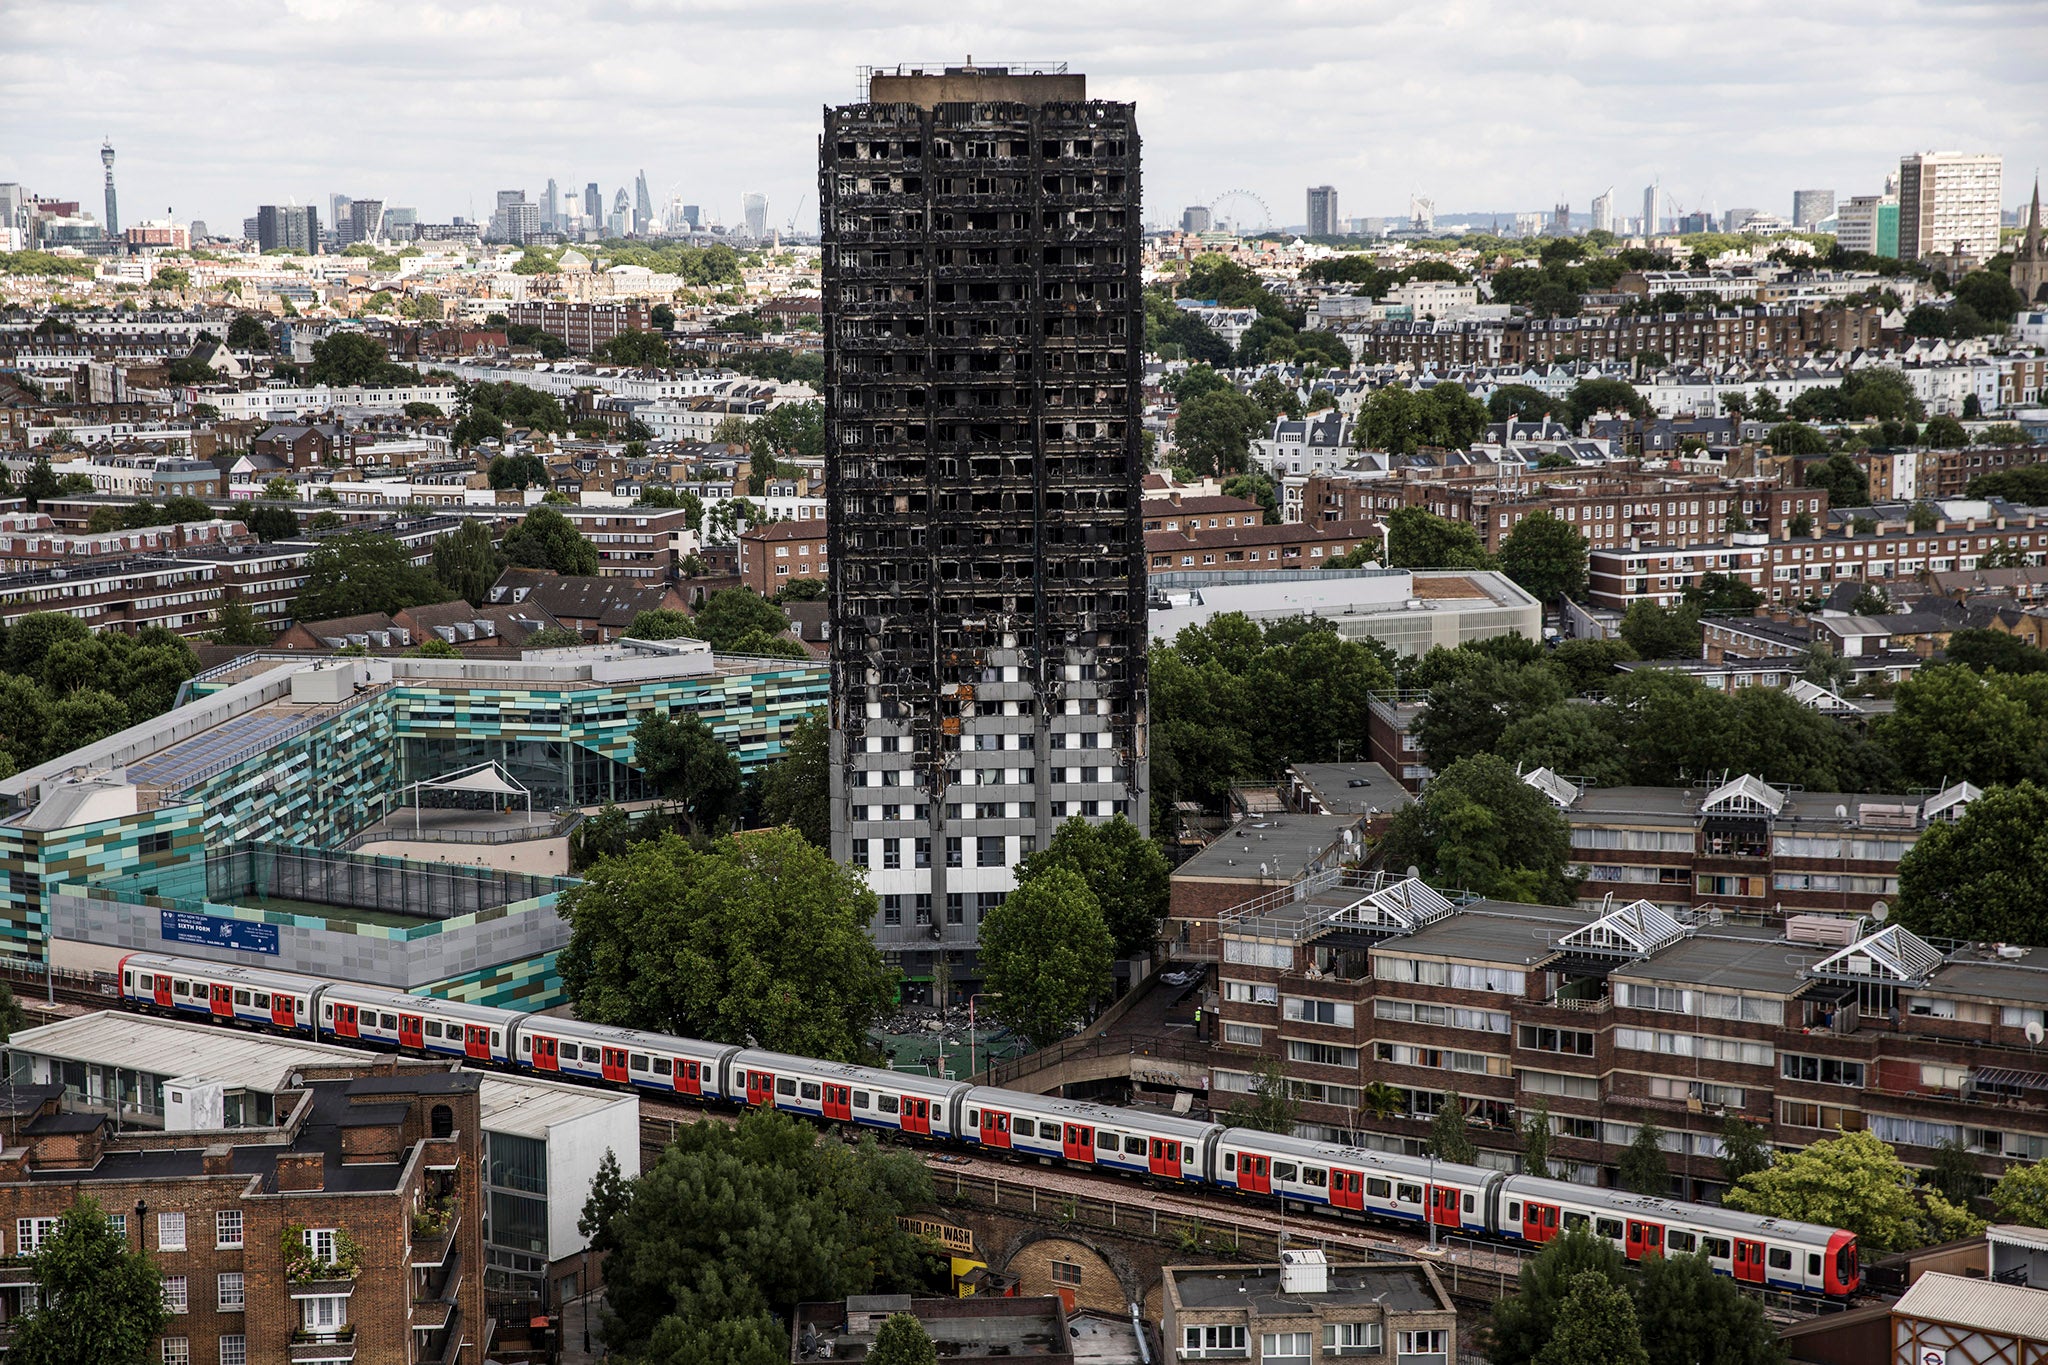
<point>1348,1182</point>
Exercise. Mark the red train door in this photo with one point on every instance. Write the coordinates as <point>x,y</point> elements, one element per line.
<point>544,1055</point>
<point>917,1116</point>
<point>1347,1189</point>
<point>476,1041</point>
<point>1078,1142</point>
<point>613,1064</point>
<point>1644,1239</point>
<point>1162,1156</point>
<point>223,999</point>
<point>411,1032</point>
<point>162,991</point>
<point>838,1102</point>
<point>1749,1261</point>
<point>281,1007</point>
<point>995,1128</point>
<point>1539,1222</point>
<point>1443,1206</point>
<point>345,1021</point>
<point>1254,1174</point>
<point>760,1088</point>
<point>687,1082</point>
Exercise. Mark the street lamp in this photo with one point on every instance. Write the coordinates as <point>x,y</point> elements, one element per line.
<point>978,995</point>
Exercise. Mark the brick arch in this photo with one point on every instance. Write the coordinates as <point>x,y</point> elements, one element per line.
<point>1130,1280</point>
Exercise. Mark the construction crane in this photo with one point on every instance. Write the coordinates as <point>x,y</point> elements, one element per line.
<point>790,229</point>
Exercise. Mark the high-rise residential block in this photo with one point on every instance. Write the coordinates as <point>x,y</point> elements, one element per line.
<point>1869,223</point>
<point>1603,211</point>
<point>1322,211</point>
<point>1812,206</point>
<point>293,227</point>
<point>1653,209</point>
<point>366,220</point>
<point>983,321</point>
<point>1949,205</point>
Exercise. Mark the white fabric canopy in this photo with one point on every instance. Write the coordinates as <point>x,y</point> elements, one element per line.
<point>485,777</point>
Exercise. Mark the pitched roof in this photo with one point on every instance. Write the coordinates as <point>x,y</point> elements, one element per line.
<point>610,602</point>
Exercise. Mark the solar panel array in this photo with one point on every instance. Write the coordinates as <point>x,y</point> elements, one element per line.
<point>192,756</point>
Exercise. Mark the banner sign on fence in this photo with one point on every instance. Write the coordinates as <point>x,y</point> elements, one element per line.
<point>181,926</point>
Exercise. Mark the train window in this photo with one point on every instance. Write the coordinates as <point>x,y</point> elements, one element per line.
<point>1106,1141</point>
<point>1813,1265</point>
<point>1845,1264</point>
<point>1607,1227</point>
<point>1471,1203</point>
<point>785,1085</point>
<point>387,1021</point>
<point>1135,1145</point>
<point>1575,1220</point>
<point>1315,1175</point>
<point>1681,1243</point>
<point>1024,1127</point>
<point>974,1118</point>
<point>637,1062</point>
<point>810,1090</point>
<point>128,980</point>
<point>1408,1194</point>
<point>1514,1211</point>
<point>497,1038</point>
<point>1286,1170</point>
<point>180,988</point>
<point>263,1000</point>
<point>662,1066</point>
<point>526,1044</point>
<point>1002,1123</point>
<point>1717,1248</point>
<point>327,1012</point>
<point>590,1054</point>
<point>433,1028</point>
<point>1781,1259</point>
<point>241,997</point>
<point>890,1104</point>
<point>1230,1161</point>
<point>1379,1189</point>
<point>863,1100</point>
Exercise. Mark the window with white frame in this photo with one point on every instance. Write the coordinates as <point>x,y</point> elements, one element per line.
<point>177,1351</point>
<point>29,1234</point>
<point>1352,1338</point>
<point>234,1349</point>
<point>1212,1340</point>
<point>1423,1343</point>
<point>227,1228</point>
<point>327,1313</point>
<point>176,1298</point>
<point>231,1298</point>
<point>170,1232</point>
<point>1278,1346</point>
<point>321,1242</point>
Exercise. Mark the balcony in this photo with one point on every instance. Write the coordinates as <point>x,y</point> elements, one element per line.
<point>322,1347</point>
<point>433,1240</point>
<point>433,1304</point>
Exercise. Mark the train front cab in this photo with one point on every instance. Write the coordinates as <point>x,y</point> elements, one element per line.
<point>1843,1275</point>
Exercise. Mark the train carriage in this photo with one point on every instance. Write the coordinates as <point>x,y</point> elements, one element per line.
<point>221,992</point>
<point>417,1023</point>
<point>1773,1253</point>
<point>1131,1141</point>
<point>569,1049</point>
<point>1388,1185</point>
<point>918,1106</point>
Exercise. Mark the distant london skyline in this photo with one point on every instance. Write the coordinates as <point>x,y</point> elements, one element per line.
<point>216,109</point>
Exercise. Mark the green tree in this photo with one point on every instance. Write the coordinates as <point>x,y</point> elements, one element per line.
<point>248,333</point>
<point>1846,483</point>
<point>422,411</point>
<point>605,1207</point>
<point>1721,594</point>
<point>2021,1195</point>
<point>99,1303</point>
<point>1255,486</point>
<point>801,590</point>
<point>1691,1316</point>
<point>1797,438</point>
<point>1745,1148</point>
<point>518,471</point>
<point>1983,877</point>
<point>661,623</point>
<point>1269,1105</point>
<point>1214,432</point>
<point>795,788</point>
<point>737,1224</point>
<point>236,623</point>
<point>41,482</point>
<point>1597,1326</point>
<point>1589,664</point>
<point>1986,650</point>
<point>348,359</point>
<point>1546,556</point>
<point>1473,699</point>
<point>690,766</point>
<point>1418,539</point>
<point>1525,1322</point>
<point>1853,1181</point>
<point>436,648</point>
<point>646,350</point>
<point>731,617</point>
<point>1520,403</point>
<point>271,522</point>
<point>1643,1167</point>
<point>903,1341</point>
<point>1655,632</point>
<point>467,562</point>
<point>359,572</point>
<point>12,1017</point>
<point>1955,1173</point>
<point>545,539</point>
<point>1590,396</point>
<point>760,940</point>
<point>1950,724</point>
<point>1478,826</point>
<point>1448,1139</point>
<point>30,640</point>
<point>1535,1128</point>
<point>1945,433</point>
<point>1046,954</point>
<point>1124,870</point>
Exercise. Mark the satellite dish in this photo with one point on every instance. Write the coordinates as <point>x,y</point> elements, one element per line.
<point>2034,1030</point>
<point>1880,912</point>
<point>1414,872</point>
<point>1841,812</point>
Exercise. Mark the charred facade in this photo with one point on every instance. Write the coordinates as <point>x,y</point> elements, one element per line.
<point>983,321</point>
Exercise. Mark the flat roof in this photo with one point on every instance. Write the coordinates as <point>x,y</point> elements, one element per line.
<point>171,1048</point>
<point>529,1108</point>
<point>1355,788</point>
<point>1285,842</point>
<point>1395,1288</point>
<point>1728,959</point>
<point>1491,931</point>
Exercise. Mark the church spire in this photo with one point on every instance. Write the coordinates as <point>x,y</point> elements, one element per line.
<point>2030,262</point>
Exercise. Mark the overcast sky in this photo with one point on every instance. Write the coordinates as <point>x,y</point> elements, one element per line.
<point>217,107</point>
